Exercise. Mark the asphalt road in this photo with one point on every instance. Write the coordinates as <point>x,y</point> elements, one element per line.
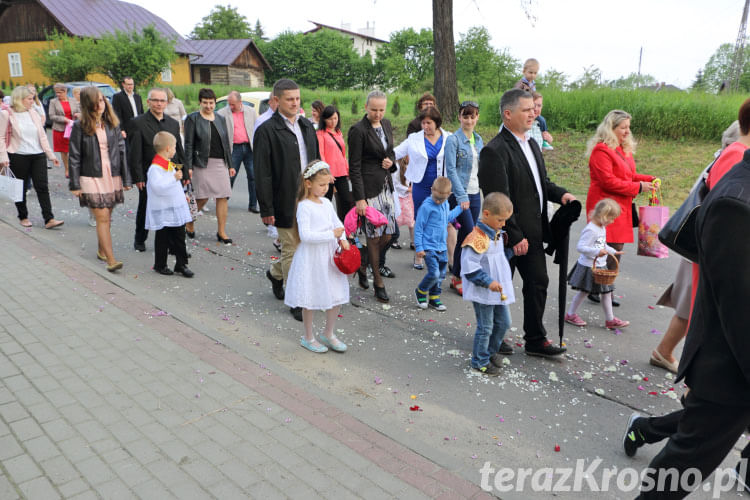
<point>401,356</point>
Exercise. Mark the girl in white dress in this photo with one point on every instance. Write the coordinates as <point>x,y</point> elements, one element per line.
<point>314,280</point>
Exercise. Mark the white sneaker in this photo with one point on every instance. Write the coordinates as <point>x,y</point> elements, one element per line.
<point>92,219</point>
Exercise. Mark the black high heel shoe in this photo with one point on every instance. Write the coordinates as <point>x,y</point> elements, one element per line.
<point>380,294</point>
<point>226,241</point>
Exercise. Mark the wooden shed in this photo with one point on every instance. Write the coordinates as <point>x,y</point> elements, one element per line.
<point>228,62</point>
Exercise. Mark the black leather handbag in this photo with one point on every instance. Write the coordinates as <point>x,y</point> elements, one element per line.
<point>678,233</point>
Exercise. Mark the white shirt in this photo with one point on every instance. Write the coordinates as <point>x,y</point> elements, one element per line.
<point>30,144</point>
<point>294,127</point>
<point>473,186</point>
<point>529,154</point>
<point>262,118</point>
<point>132,104</point>
<point>495,264</point>
<point>593,239</point>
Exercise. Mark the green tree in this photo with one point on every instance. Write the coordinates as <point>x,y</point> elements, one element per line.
<point>718,69</point>
<point>324,58</point>
<point>633,81</point>
<point>142,56</point>
<point>505,69</point>
<point>590,79</point>
<point>552,79</point>
<point>222,23</point>
<point>474,60</point>
<point>66,58</point>
<point>700,83</point>
<point>259,35</point>
<point>407,60</point>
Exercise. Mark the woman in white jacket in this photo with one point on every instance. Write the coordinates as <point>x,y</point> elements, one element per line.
<point>425,150</point>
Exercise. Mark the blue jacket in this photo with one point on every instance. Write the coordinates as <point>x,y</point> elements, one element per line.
<point>458,157</point>
<point>431,228</point>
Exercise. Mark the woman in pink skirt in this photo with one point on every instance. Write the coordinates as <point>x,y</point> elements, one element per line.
<point>98,170</point>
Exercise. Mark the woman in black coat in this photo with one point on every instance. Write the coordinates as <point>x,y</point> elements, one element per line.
<point>371,162</point>
<point>208,160</point>
<point>98,170</point>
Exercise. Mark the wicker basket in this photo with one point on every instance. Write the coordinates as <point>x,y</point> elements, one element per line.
<point>605,276</point>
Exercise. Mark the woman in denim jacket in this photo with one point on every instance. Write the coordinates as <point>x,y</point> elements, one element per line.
<point>462,150</point>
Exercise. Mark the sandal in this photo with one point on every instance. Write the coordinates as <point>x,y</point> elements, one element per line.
<point>100,256</point>
<point>25,222</point>
<point>333,343</point>
<point>312,347</point>
<point>53,223</point>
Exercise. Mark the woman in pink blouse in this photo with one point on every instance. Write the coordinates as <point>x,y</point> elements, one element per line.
<point>333,152</point>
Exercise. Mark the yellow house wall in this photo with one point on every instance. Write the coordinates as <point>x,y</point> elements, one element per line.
<point>31,74</point>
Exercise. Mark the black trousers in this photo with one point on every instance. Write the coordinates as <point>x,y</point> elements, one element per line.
<point>32,167</point>
<point>170,239</point>
<point>344,201</point>
<point>533,270</point>
<point>141,233</point>
<point>700,436</point>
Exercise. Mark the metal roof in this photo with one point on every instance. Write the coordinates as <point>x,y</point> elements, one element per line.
<point>223,52</point>
<point>342,30</point>
<point>96,17</point>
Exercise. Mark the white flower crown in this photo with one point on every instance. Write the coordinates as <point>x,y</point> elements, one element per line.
<point>315,169</point>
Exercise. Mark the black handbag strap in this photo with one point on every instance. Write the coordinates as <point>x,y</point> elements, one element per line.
<point>337,142</point>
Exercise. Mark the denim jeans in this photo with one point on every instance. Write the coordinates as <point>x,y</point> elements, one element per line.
<point>467,219</point>
<point>492,323</point>
<point>243,154</point>
<point>437,263</point>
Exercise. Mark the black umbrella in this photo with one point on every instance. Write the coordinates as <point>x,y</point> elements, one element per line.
<point>560,224</point>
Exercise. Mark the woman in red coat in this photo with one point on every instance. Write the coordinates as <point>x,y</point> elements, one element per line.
<point>613,175</point>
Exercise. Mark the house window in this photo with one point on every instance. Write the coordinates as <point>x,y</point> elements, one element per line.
<point>14,60</point>
<point>166,75</point>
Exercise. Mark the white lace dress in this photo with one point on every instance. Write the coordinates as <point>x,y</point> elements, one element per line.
<point>314,281</point>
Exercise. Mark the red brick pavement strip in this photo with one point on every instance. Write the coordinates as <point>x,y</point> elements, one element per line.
<point>402,462</point>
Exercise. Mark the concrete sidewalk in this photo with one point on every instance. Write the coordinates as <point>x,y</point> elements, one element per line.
<point>104,396</point>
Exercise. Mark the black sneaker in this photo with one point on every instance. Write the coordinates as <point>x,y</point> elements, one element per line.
<point>490,370</point>
<point>594,297</point>
<point>164,270</point>
<point>633,438</point>
<point>505,348</point>
<point>743,481</point>
<point>396,245</point>
<point>139,247</point>
<point>546,350</point>
<point>276,285</point>
<point>296,312</point>
<point>386,272</point>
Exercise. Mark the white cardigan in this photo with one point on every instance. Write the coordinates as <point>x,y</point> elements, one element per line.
<point>413,147</point>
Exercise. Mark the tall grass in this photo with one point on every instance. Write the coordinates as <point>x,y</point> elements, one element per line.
<point>661,115</point>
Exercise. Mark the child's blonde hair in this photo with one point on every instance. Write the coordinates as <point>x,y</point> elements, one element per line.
<point>530,63</point>
<point>497,203</point>
<point>442,184</point>
<point>606,211</point>
<point>163,140</point>
<point>310,173</point>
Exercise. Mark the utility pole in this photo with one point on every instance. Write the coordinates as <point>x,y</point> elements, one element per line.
<point>738,61</point>
<point>640,60</point>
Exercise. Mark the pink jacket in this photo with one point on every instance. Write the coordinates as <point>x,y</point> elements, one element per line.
<point>7,117</point>
<point>333,152</point>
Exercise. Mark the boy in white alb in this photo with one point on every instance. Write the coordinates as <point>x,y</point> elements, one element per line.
<point>488,283</point>
<point>167,209</point>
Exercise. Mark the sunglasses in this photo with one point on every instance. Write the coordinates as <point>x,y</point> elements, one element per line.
<point>469,104</point>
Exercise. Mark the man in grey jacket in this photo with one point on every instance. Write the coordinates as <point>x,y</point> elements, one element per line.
<point>240,121</point>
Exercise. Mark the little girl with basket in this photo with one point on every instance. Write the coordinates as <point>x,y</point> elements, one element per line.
<point>315,283</point>
<point>587,278</point>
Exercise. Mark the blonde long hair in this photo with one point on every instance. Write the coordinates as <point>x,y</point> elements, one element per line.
<point>302,192</point>
<point>605,133</point>
<point>90,111</point>
<point>17,96</point>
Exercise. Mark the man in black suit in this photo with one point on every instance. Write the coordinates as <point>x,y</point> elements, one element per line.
<point>141,152</point>
<point>127,104</point>
<point>512,163</point>
<point>715,361</point>
<point>282,147</point>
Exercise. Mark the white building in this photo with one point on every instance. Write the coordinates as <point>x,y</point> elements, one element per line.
<point>363,40</point>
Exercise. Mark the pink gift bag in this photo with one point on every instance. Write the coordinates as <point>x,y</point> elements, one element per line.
<point>652,219</point>
<point>68,129</point>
